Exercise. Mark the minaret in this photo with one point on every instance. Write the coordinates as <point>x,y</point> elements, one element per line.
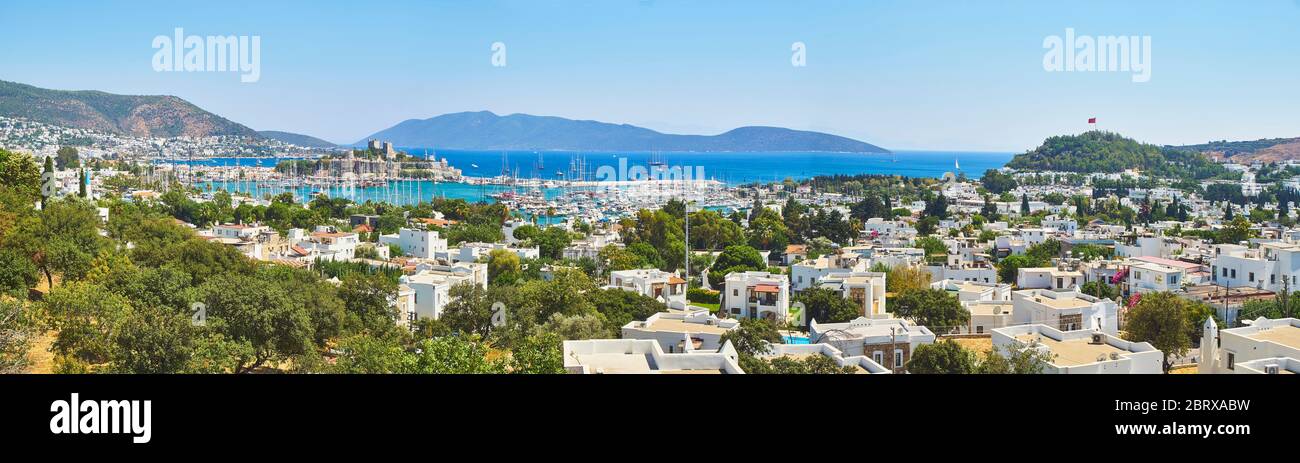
<point>1209,346</point>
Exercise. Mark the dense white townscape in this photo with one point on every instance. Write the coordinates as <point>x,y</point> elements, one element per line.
<point>1054,272</point>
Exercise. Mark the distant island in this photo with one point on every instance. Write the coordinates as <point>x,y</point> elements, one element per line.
<point>484,130</point>
<point>307,141</point>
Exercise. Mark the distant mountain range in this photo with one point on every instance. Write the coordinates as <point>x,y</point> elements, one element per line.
<point>307,141</point>
<point>1246,152</point>
<point>137,115</point>
<point>484,130</point>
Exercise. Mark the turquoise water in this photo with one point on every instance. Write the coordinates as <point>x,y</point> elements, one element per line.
<point>795,339</point>
<point>396,192</point>
<point>731,168</point>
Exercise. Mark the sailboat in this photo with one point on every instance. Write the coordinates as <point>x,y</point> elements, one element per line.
<point>955,163</point>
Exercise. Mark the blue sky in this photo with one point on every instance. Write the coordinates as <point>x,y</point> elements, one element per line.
<point>961,75</point>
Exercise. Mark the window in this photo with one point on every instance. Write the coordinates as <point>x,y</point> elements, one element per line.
<point>1250,277</point>
<point>898,358</point>
<point>1234,273</point>
<point>878,357</point>
<point>979,329</point>
<point>1225,271</point>
<point>1232,361</point>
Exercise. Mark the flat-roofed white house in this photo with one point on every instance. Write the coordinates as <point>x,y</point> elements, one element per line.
<point>1223,350</point>
<point>1065,310</point>
<point>1269,366</point>
<point>431,286</point>
<point>331,245</point>
<point>757,295</point>
<point>808,273</point>
<point>663,286</point>
<point>1081,352</point>
<point>645,356</point>
<point>471,252</point>
<point>865,289</point>
<point>888,341</point>
<point>1269,267</point>
<point>861,364</point>
<point>987,315</point>
<point>1055,278</point>
<point>422,244</point>
<point>974,291</point>
<point>673,329</point>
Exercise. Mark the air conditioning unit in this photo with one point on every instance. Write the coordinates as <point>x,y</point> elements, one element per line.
<point>1096,339</point>
<point>1271,369</point>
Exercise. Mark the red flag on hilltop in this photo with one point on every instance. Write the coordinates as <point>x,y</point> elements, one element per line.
<point>1092,120</point>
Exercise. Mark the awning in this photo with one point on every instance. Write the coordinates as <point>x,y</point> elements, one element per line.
<point>766,289</point>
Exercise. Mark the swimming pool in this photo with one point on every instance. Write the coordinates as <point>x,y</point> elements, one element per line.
<point>795,339</point>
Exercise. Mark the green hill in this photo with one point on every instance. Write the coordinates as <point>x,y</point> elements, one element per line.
<point>1098,151</point>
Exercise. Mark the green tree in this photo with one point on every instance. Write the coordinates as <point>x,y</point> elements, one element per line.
<point>1009,267</point>
<point>932,308</point>
<point>454,355</point>
<point>16,328</point>
<point>943,357</point>
<point>1011,361</point>
<point>503,267</point>
<point>537,354</point>
<point>1099,289</point>
<point>577,327</point>
<point>258,314</point>
<point>1162,320</point>
<point>827,306</point>
<point>367,298</point>
<point>66,157</point>
<point>751,338</point>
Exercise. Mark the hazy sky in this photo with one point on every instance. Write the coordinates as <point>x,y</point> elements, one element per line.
<point>964,75</point>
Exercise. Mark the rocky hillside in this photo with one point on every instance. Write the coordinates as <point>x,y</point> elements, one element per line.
<point>137,115</point>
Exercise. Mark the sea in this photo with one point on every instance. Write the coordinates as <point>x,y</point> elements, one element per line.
<point>731,168</point>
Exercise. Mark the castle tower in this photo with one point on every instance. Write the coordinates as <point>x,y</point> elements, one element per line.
<point>1209,346</point>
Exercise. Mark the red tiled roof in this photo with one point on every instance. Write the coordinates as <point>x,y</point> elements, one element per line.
<point>766,289</point>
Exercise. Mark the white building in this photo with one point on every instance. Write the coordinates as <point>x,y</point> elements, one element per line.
<point>888,342</point>
<point>1081,352</point>
<point>330,245</point>
<point>673,329</point>
<point>809,272</point>
<point>1054,278</point>
<point>658,284</point>
<point>471,252</point>
<point>417,243</point>
<point>757,294</point>
<point>861,364</point>
<point>1223,350</point>
<point>645,356</point>
<point>865,289</point>
<point>431,286</point>
<point>1271,267</point>
<point>959,268</point>
<point>1065,310</point>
